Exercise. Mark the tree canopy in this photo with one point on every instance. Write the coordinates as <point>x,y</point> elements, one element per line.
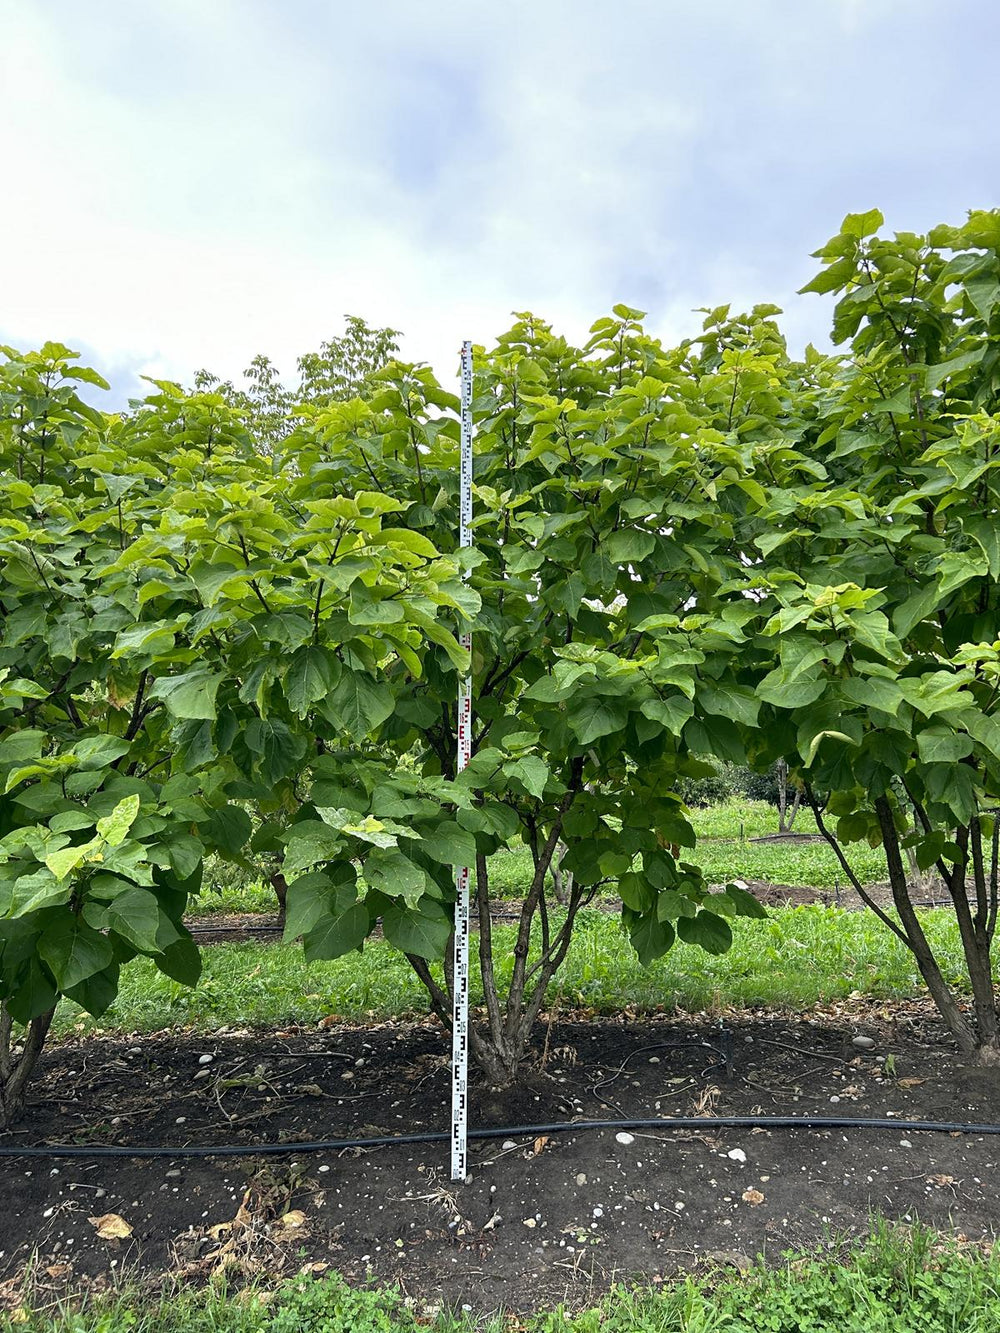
<point>218,605</point>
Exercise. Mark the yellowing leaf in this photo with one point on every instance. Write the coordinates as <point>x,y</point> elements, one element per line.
<point>109,1226</point>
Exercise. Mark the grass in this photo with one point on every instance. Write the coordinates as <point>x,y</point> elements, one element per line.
<point>896,1281</point>
<point>724,851</point>
<point>798,957</point>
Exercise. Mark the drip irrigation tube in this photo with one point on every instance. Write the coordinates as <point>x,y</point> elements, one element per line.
<point>681,1122</point>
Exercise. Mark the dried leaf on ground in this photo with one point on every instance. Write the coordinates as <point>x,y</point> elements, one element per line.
<point>109,1226</point>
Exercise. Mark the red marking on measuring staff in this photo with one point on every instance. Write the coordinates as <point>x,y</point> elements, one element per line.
<point>460,1001</point>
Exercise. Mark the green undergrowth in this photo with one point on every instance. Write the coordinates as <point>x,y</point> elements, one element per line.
<point>725,851</point>
<point>799,956</point>
<point>894,1282</point>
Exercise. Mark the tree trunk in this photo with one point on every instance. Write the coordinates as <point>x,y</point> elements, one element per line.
<point>562,880</point>
<point>781,777</point>
<point>280,887</point>
<point>916,940</point>
<point>796,806</point>
<point>500,1043</point>
<point>17,1066</point>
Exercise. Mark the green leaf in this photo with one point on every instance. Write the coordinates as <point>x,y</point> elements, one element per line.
<point>985,730</point>
<point>181,961</point>
<point>227,830</point>
<point>672,714</point>
<point>595,717</point>
<point>279,749</point>
<point>73,951</point>
<point>311,676</point>
<point>93,752</point>
<point>707,930</point>
<point>984,293</point>
<point>34,997</point>
<point>307,900</point>
<point>358,705</point>
<point>629,546</point>
<point>935,692</point>
<point>745,904</point>
<point>64,861</point>
<point>191,695</point>
<point>916,608</point>
<point>310,843</point>
<point>872,692</point>
<point>636,893</point>
<point>651,938</point>
<point>135,915</point>
<point>114,827</point>
<point>96,994</point>
<point>941,745</point>
<point>531,772</point>
<point>449,844</point>
<point>732,701</point>
<point>936,375</point>
<point>778,689</point>
<point>184,853</point>
<point>985,531</point>
<point>671,905</point>
<point>395,875</point>
<point>344,929</point>
<point>862,224</point>
<point>39,889</point>
<point>425,933</point>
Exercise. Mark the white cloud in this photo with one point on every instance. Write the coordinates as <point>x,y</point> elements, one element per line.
<point>188,183</point>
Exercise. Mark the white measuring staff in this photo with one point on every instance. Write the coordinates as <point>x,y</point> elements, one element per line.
<point>460,1004</point>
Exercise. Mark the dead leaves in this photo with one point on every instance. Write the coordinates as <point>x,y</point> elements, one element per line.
<point>258,1238</point>
<point>109,1226</point>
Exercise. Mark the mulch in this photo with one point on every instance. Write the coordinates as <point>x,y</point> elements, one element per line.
<point>542,1218</point>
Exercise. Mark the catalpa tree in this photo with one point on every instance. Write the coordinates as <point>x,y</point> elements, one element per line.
<point>611,488</point>
<point>157,588</point>
<point>877,652</point>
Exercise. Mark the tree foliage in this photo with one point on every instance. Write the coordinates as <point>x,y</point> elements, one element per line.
<point>168,615</point>
<point>221,604</point>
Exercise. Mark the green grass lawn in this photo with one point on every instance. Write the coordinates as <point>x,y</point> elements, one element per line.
<point>797,957</point>
<point>893,1282</point>
<point>724,851</point>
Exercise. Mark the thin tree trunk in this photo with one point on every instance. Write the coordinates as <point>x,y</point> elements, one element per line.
<point>16,1071</point>
<point>280,887</point>
<point>796,804</point>
<point>781,776</point>
<point>915,939</point>
<point>975,942</point>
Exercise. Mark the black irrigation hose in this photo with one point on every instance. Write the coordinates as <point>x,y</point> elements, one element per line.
<point>683,1122</point>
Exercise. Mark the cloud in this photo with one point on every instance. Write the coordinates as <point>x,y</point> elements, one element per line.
<point>190,183</point>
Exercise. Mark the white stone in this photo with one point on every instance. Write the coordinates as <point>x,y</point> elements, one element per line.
<point>625,1139</point>
<point>205,1059</point>
<point>736,1155</point>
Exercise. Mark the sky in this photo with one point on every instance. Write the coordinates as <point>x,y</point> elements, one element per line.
<point>186,183</point>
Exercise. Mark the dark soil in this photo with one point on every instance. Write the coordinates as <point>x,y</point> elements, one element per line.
<point>541,1220</point>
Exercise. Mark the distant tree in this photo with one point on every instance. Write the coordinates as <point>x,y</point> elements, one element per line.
<point>345,367</point>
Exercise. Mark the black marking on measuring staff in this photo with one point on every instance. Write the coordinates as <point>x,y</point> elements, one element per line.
<point>460,1001</point>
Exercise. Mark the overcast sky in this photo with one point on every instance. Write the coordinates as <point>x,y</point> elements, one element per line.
<point>188,182</point>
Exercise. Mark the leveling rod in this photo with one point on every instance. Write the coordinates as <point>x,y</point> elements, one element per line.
<point>460,1002</point>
